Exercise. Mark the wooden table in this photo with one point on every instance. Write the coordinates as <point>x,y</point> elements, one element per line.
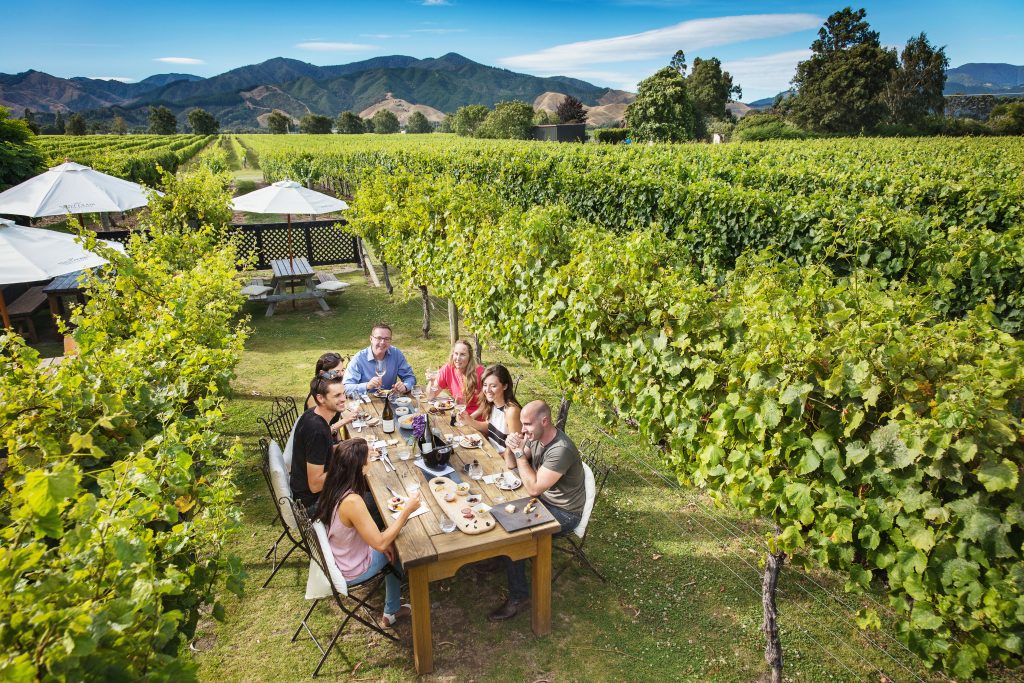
<point>428,554</point>
<point>288,274</point>
<point>62,286</point>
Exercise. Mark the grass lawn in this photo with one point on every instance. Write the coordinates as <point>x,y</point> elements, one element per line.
<point>682,601</point>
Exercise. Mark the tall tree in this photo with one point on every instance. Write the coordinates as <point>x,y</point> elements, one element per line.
<point>58,123</point>
<point>385,121</point>
<point>19,158</point>
<point>678,62</point>
<point>663,110</point>
<point>467,119</point>
<point>915,88</point>
<point>509,121</point>
<point>315,124</point>
<point>162,121</point>
<point>711,88</point>
<point>350,124</point>
<point>839,89</point>
<point>75,125</point>
<point>203,122</point>
<point>571,110</point>
<point>278,122</point>
<point>418,123</point>
<point>119,126</point>
<point>30,121</point>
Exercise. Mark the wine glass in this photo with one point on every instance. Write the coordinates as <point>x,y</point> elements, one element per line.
<point>476,471</point>
<point>447,525</point>
<point>379,369</point>
<point>460,408</point>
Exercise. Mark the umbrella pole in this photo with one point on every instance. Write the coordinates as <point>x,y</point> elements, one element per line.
<point>3,311</point>
<point>291,259</point>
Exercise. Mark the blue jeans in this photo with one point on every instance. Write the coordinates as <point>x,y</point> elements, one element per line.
<point>518,588</point>
<point>392,586</point>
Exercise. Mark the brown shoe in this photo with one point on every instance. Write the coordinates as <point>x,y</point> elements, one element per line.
<point>508,610</point>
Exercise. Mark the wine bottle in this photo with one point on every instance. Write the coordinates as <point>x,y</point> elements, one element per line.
<point>387,417</point>
<point>426,440</point>
<point>345,436</point>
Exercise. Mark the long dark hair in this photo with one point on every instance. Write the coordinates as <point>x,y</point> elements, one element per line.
<point>505,377</point>
<point>344,473</point>
<point>328,361</point>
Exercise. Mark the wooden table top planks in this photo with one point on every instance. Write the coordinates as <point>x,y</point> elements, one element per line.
<point>422,540</point>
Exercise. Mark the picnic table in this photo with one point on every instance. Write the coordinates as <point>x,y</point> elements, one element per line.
<point>428,554</point>
<point>289,273</point>
<point>62,286</point>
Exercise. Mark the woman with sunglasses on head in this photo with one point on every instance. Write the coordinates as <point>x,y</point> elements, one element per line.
<point>461,377</point>
<point>498,414</point>
<point>330,362</point>
<point>360,549</point>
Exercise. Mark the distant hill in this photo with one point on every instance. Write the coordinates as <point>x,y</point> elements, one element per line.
<point>985,79</point>
<point>403,110</point>
<point>610,110</point>
<point>243,97</point>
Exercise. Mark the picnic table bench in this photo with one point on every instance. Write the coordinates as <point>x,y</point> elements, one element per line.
<point>21,309</point>
<point>288,273</point>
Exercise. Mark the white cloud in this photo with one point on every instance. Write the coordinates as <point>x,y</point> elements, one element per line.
<point>690,36</point>
<point>765,76</point>
<point>179,60</point>
<point>434,3</point>
<point>383,36</point>
<point>122,79</point>
<point>320,46</point>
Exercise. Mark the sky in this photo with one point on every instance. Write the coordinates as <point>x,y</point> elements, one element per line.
<point>612,43</point>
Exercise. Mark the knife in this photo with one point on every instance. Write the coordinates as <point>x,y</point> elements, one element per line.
<point>390,464</point>
<point>392,491</point>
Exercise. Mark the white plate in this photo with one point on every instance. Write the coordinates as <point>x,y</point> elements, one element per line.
<point>397,507</point>
<point>401,401</point>
<point>508,483</point>
<point>405,422</point>
<point>466,443</point>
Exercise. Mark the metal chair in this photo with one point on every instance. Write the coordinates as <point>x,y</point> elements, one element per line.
<point>279,485</point>
<point>322,559</point>
<point>280,419</point>
<point>596,473</point>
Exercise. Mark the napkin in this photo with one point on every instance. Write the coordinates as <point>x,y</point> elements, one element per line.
<point>423,466</point>
<point>421,510</point>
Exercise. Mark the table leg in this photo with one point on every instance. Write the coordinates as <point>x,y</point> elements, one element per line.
<point>273,304</point>
<point>422,638</point>
<point>541,587</point>
<point>311,286</point>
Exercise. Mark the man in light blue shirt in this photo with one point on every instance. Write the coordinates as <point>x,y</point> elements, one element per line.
<point>361,374</point>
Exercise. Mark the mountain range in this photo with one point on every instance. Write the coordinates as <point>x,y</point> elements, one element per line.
<point>241,97</point>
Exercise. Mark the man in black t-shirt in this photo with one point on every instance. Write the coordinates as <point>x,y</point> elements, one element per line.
<point>313,440</point>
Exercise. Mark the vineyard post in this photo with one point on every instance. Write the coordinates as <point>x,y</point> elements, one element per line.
<point>426,311</point>
<point>774,559</point>
<point>563,412</point>
<point>453,321</point>
<point>479,350</point>
<point>387,277</point>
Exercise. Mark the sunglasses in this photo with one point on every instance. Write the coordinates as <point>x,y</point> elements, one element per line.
<point>330,374</point>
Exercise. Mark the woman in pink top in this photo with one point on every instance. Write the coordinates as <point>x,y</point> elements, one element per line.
<point>360,549</point>
<point>460,377</point>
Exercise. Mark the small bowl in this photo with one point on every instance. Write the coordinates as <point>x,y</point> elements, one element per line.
<point>401,411</point>
<point>473,498</point>
<point>449,497</point>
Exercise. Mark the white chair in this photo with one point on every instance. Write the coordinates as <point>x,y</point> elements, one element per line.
<point>279,484</point>
<point>595,474</point>
<point>320,587</point>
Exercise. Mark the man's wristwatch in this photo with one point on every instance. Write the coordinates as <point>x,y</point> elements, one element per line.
<point>518,455</point>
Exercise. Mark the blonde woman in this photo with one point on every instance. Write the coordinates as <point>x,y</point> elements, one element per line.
<point>461,377</point>
<point>498,415</point>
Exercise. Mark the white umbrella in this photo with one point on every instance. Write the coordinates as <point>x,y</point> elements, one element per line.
<point>32,254</point>
<point>72,188</point>
<point>288,197</point>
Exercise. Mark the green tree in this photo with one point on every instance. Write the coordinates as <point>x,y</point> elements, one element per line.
<point>915,88</point>
<point>203,122</point>
<point>76,125</point>
<point>543,117</point>
<point>385,121</point>
<point>418,123</point>
<point>467,119</point>
<point>162,121</point>
<point>278,122</point>
<point>663,110</point>
<point>571,110</point>
<point>711,88</point>
<point>839,89</point>
<point>119,127</point>
<point>1008,118</point>
<point>58,123</point>
<point>30,121</point>
<point>511,120</point>
<point>350,124</point>
<point>19,158</point>
<point>678,62</point>
<point>446,124</point>
<point>315,124</point>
